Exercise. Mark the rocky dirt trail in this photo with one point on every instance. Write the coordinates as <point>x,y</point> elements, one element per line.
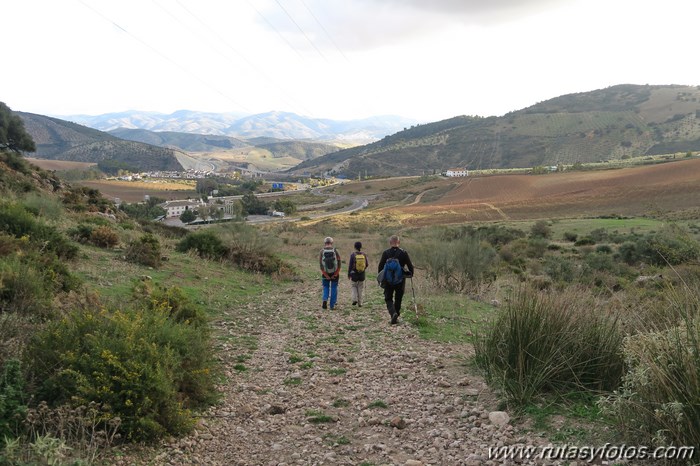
<point>319,387</point>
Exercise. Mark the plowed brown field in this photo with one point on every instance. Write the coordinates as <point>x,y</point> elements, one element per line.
<point>630,191</point>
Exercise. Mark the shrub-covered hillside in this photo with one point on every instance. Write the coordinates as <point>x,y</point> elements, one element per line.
<point>84,363</point>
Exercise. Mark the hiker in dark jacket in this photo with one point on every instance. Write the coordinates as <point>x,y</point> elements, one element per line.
<point>356,273</point>
<point>393,294</point>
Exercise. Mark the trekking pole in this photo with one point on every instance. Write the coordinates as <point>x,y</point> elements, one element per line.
<point>415,305</point>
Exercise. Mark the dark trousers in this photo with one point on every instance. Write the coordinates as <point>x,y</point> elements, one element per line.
<point>393,296</point>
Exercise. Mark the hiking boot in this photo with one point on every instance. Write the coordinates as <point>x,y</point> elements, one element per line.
<point>324,305</point>
<point>354,303</point>
<point>394,318</point>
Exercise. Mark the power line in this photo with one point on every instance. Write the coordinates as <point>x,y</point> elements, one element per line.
<point>233,49</point>
<point>275,29</point>
<point>165,57</point>
<point>324,29</point>
<point>301,30</point>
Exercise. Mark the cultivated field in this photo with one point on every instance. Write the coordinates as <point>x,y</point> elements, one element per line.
<point>134,191</point>
<point>630,192</point>
<point>59,164</point>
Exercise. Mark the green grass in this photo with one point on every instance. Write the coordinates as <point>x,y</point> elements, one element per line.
<point>292,381</point>
<point>334,440</point>
<point>337,371</point>
<point>294,358</point>
<point>377,404</point>
<point>207,283</point>
<point>341,403</point>
<point>576,420</point>
<point>318,417</point>
<point>448,318</point>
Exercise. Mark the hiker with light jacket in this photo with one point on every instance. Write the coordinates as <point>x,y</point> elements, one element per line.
<point>329,261</point>
<point>356,273</point>
<point>394,267</point>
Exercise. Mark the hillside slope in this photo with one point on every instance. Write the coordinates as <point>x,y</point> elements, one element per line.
<point>62,140</point>
<point>191,142</point>
<point>604,124</point>
<point>186,141</point>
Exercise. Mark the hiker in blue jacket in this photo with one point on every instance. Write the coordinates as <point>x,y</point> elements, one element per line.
<point>395,283</point>
<point>329,261</point>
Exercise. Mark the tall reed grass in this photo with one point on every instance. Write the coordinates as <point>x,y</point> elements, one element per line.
<point>542,343</point>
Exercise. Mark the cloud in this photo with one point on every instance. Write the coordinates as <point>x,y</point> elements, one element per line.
<point>368,24</point>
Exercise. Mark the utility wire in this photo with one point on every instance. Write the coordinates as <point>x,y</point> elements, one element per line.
<point>218,36</point>
<point>324,29</point>
<point>301,30</point>
<point>275,29</point>
<point>165,57</point>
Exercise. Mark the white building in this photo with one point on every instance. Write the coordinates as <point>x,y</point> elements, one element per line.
<point>457,172</point>
<point>176,208</point>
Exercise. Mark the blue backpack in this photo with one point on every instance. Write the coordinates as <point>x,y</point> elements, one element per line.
<point>393,273</point>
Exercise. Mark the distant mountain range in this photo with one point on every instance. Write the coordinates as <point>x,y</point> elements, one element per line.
<point>605,124</point>
<point>280,125</point>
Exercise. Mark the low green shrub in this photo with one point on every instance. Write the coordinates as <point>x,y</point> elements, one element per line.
<point>13,400</point>
<point>540,229</point>
<point>571,237</point>
<point>17,221</point>
<point>585,241</point>
<point>659,401</point>
<point>459,264</point>
<point>536,247</point>
<point>153,296</point>
<point>104,237</point>
<point>144,251</point>
<point>238,244</point>
<point>560,269</point>
<point>206,243</point>
<point>22,288</point>
<point>81,232</point>
<point>145,367</point>
<point>541,343</point>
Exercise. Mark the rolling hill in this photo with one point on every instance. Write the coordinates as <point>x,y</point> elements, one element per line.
<point>186,141</point>
<point>62,140</point>
<point>605,124</point>
<point>278,148</point>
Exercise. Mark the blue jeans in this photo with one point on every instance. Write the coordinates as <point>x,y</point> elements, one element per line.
<point>330,287</point>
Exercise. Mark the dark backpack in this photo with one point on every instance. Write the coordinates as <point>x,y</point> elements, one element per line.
<point>329,261</point>
<point>393,273</point>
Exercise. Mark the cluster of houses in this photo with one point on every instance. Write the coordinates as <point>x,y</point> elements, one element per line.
<point>186,175</point>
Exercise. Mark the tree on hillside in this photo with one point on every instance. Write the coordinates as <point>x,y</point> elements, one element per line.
<point>187,216</point>
<point>12,133</point>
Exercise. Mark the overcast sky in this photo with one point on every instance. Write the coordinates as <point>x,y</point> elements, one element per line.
<point>339,59</point>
